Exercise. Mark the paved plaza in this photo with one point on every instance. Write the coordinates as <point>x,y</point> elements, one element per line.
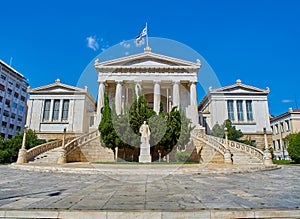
<point>191,192</point>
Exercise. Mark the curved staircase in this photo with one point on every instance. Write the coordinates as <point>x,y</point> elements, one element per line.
<point>87,148</point>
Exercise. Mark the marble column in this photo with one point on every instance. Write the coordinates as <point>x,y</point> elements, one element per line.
<point>176,94</point>
<point>156,97</point>
<point>118,98</point>
<point>100,104</point>
<point>193,94</point>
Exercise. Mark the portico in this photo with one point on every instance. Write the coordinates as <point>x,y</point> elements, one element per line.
<point>159,78</point>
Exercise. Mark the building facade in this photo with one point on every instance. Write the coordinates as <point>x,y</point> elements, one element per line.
<point>159,78</point>
<point>246,106</point>
<point>55,107</point>
<point>283,125</point>
<point>13,98</point>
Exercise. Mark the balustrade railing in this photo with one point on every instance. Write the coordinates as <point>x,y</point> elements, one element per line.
<point>35,151</point>
<point>81,140</point>
<point>247,148</point>
<point>220,145</point>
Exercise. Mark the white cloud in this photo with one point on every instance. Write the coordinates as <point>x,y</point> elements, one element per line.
<point>126,53</point>
<point>125,45</point>
<point>287,101</point>
<point>92,43</point>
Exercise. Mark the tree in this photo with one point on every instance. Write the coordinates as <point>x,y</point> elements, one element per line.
<point>293,141</point>
<point>218,130</point>
<point>9,149</point>
<point>233,134</point>
<point>109,136</point>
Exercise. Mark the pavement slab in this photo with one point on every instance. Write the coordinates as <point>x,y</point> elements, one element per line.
<point>213,194</point>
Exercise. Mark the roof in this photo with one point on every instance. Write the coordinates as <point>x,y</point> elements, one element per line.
<point>237,88</point>
<point>14,71</point>
<point>59,88</point>
<point>147,59</point>
<point>286,114</point>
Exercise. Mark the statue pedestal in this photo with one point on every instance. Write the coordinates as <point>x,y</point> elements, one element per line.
<point>145,156</point>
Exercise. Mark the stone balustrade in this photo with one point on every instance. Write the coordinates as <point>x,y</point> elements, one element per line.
<point>33,152</point>
<point>247,148</point>
<point>81,140</point>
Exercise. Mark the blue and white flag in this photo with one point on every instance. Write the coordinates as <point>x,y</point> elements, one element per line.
<point>141,35</point>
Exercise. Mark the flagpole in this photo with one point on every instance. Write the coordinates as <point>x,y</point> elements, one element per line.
<point>147,35</point>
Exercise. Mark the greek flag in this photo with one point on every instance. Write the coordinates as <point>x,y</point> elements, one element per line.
<point>140,36</point>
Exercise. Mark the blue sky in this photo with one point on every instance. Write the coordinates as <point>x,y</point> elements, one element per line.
<point>257,41</point>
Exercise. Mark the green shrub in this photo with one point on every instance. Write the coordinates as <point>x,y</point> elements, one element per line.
<point>4,156</point>
<point>182,156</point>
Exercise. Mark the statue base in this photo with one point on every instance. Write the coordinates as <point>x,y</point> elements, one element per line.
<point>145,156</point>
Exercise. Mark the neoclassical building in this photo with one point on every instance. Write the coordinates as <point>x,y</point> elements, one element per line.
<point>55,107</point>
<point>283,125</point>
<point>246,106</point>
<point>159,78</point>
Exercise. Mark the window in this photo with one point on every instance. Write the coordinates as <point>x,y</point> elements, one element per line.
<point>230,110</point>
<point>11,126</point>
<point>272,128</point>
<point>276,129</point>
<point>55,110</point>
<point>23,98</point>
<point>2,87</point>
<point>21,108</point>
<point>18,129</point>
<point>9,91</point>
<point>4,124</point>
<point>7,103</point>
<point>14,105</point>
<point>281,127</point>
<point>11,83</point>
<point>16,95</point>
<point>278,144</point>
<point>24,90</point>
<point>274,145</point>
<point>91,121</point>
<point>46,110</point>
<point>287,124</point>
<point>240,110</point>
<point>3,77</point>
<point>6,113</point>
<point>1,98</point>
<point>20,118</point>
<point>249,110</point>
<point>17,85</point>
<point>65,110</point>
<point>13,116</point>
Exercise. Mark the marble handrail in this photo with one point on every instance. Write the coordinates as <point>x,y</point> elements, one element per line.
<point>81,140</point>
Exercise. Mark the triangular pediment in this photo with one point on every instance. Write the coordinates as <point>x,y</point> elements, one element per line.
<point>56,87</point>
<point>240,88</point>
<point>147,59</point>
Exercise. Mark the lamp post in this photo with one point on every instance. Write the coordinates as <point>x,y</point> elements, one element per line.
<point>267,155</point>
<point>22,156</point>
<point>227,154</point>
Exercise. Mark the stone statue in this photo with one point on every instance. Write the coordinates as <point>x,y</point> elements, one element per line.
<point>145,131</point>
<point>145,156</point>
<point>138,90</point>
